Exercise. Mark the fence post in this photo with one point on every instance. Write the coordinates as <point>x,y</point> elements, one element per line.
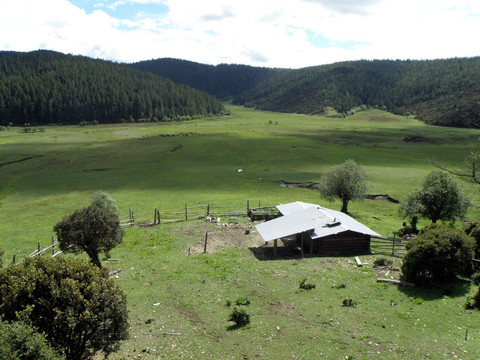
<point>208,209</point>
<point>186,212</point>
<point>14,258</point>
<point>158,215</point>
<point>53,245</point>
<point>205,246</point>
<point>132,219</point>
<point>38,247</point>
<point>155,216</point>
<point>393,242</point>
<point>248,206</point>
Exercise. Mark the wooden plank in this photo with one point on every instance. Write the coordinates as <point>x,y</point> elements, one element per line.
<point>359,263</point>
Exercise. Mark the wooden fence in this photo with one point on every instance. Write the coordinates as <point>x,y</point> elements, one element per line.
<point>203,211</point>
<point>128,220</point>
<point>388,246</point>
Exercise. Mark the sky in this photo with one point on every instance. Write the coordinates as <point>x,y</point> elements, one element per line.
<point>267,33</point>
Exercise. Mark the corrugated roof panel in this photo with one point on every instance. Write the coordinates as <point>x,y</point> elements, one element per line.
<point>300,217</point>
<point>291,224</point>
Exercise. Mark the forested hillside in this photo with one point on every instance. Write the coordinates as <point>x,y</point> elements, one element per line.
<point>45,87</point>
<point>440,92</point>
<point>223,81</point>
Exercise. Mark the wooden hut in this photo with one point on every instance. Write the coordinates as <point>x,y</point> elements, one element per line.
<point>317,230</point>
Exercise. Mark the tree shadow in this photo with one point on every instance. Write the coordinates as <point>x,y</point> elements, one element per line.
<point>266,253</point>
<point>235,327</point>
<point>454,288</point>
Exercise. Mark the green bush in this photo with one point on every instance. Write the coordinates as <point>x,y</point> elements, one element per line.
<point>476,278</point>
<point>382,262</point>
<point>474,301</point>
<point>75,304</point>
<point>473,230</point>
<point>239,316</point>
<point>242,301</point>
<point>304,285</point>
<point>437,254</point>
<point>19,340</point>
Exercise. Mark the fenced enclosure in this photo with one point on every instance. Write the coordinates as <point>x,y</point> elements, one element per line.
<point>214,211</point>
<point>388,246</point>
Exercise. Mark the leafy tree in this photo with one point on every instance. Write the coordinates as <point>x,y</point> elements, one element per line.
<point>20,341</point>
<point>438,253</point>
<point>439,199</point>
<point>346,182</point>
<point>92,229</point>
<point>102,199</point>
<point>75,304</point>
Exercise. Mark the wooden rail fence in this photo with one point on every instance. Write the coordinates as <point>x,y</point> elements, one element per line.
<point>388,246</point>
<point>203,211</point>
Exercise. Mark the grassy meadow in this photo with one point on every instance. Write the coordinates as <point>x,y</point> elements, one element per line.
<point>177,302</point>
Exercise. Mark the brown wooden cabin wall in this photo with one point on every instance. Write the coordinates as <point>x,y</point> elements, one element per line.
<point>344,243</point>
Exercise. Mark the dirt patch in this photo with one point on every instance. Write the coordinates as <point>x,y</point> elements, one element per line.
<point>220,236</point>
<point>382,198</point>
<point>303,185</point>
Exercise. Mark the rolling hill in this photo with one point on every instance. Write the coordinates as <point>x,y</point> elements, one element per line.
<point>439,92</point>
<point>46,87</point>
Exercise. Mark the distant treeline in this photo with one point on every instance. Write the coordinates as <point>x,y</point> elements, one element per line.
<point>441,92</point>
<point>223,81</point>
<point>46,87</point>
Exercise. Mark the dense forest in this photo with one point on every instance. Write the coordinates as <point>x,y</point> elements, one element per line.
<point>223,81</point>
<point>46,87</point>
<point>439,92</point>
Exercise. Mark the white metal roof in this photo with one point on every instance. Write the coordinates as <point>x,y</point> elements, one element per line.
<point>299,217</point>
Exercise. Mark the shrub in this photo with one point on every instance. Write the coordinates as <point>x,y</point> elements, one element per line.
<point>239,316</point>
<point>438,253</point>
<point>476,278</point>
<point>304,285</point>
<point>382,262</point>
<point>19,340</point>
<point>473,230</point>
<point>349,303</point>
<point>242,301</point>
<point>474,301</point>
<point>78,308</point>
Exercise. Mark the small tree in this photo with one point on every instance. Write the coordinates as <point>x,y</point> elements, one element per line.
<point>92,229</point>
<point>103,200</point>
<point>346,182</point>
<point>439,199</point>
<point>438,253</point>
<point>75,304</point>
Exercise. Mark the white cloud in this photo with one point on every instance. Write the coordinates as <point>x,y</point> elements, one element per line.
<point>275,33</point>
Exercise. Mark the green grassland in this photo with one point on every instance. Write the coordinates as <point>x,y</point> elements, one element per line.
<point>177,302</point>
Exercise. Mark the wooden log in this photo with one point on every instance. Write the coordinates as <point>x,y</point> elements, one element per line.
<point>359,263</point>
<point>205,245</point>
<point>396,282</point>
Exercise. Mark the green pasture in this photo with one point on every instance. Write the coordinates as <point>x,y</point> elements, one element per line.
<point>177,302</point>
<point>144,168</point>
